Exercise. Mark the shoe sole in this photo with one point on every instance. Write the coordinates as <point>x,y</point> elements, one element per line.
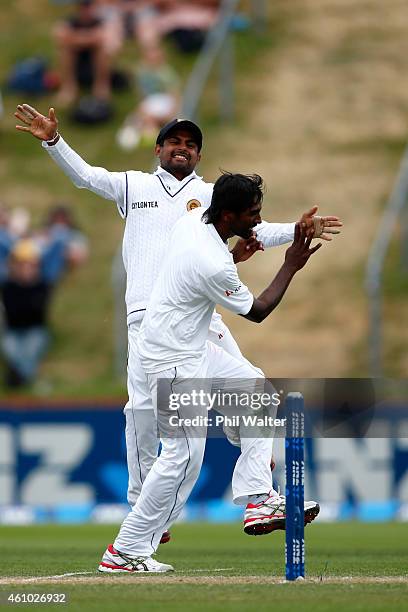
<point>119,570</point>
<point>111,570</point>
<point>279,524</point>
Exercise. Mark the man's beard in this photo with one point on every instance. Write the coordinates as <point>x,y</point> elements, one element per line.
<point>174,166</point>
<point>245,234</point>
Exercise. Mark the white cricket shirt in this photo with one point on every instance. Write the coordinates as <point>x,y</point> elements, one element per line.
<point>150,204</point>
<point>199,272</point>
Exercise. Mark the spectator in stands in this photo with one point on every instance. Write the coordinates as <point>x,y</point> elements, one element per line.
<point>159,86</point>
<point>63,246</point>
<point>134,17</point>
<point>85,46</point>
<point>186,22</point>
<point>6,240</point>
<point>19,222</point>
<point>30,266</point>
<point>25,296</point>
<point>14,224</point>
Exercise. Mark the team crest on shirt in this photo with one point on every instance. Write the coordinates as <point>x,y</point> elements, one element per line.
<point>192,204</point>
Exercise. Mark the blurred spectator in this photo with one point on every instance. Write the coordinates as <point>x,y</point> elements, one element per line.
<point>19,222</point>
<point>25,296</point>
<point>13,225</point>
<point>186,22</point>
<point>86,44</point>
<point>30,266</point>
<point>61,243</point>
<point>159,86</point>
<point>6,240</point>
<point>133,19</point>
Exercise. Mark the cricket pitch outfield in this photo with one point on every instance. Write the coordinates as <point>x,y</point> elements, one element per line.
<point>350,566</point>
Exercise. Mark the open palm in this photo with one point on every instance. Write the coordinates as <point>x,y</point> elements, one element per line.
<point>43,128</point>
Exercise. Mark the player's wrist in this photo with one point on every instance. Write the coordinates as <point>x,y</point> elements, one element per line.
<point>290,267</point>
<point>53,141</point>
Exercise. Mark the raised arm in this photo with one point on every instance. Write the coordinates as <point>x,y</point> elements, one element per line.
<point>295,258</point>
<point>274,234</point>
<point>109,185</point>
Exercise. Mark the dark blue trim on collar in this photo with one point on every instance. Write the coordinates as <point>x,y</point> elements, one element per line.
<point>177,192</point>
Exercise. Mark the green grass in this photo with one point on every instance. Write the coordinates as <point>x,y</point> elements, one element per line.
<point>359,551</point>
<point>80,362</point>
<point>235,597</point>
<point>81,358</point>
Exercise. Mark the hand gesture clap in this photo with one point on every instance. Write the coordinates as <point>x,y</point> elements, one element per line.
<point>299,252</point>
<point>322,226</point>
<point>43,128</point>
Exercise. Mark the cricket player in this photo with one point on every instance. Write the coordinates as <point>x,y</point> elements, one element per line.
<point>151,204</point>
<point>173,346</point>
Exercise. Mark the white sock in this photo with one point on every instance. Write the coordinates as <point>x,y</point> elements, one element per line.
<point>258,499</point>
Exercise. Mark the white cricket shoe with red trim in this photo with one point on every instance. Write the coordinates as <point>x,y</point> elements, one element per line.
<point>270,515</point>
<point>114,562</point>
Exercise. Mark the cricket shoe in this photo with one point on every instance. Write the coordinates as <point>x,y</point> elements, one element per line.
<point>270,515</point>
<point>114,562</point>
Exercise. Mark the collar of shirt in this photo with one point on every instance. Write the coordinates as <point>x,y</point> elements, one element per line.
<point>171,179</point>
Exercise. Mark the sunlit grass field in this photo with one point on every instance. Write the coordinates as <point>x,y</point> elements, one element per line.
<point>349,566</point>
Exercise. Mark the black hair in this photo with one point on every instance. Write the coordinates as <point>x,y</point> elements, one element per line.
<point>234,192</point>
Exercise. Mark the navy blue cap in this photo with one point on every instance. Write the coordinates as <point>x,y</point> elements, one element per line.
<point>181,123</point>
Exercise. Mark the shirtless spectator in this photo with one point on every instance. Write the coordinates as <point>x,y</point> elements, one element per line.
<point>134,19</point>
<point>186,21</point>
<point>85,46</point>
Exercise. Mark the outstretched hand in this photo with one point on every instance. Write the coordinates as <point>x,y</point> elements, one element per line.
<point>299,252</point>
<point>43,128</point>
<point>321,226</point>
<point>244,249</point>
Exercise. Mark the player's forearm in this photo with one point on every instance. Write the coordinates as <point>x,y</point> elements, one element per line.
<point>82,174</point>
<point>269,299</point>
<point>72,164</point>
<point>274,234</point>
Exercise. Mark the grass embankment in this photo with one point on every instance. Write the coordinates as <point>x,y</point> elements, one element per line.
<point>321,114</point>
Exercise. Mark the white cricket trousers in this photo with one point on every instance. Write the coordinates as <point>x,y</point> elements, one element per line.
<point>171,479</point>
<point>142,441</point>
